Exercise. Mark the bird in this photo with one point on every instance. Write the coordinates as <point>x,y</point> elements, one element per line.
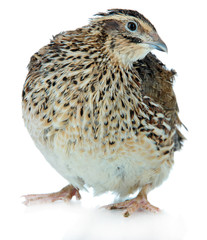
<point>101,109</point>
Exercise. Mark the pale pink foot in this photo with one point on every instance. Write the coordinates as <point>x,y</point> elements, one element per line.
<point>64,194</point>
<point>133,205</point>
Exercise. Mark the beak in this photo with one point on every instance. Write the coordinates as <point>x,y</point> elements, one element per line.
<point>161,46</point>
<point>157,43</point>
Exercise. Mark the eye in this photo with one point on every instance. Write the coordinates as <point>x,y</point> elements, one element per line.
<point>132,26</point>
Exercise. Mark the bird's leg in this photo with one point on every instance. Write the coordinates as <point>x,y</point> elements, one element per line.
<point>137,203</point>
<point>64,194</point>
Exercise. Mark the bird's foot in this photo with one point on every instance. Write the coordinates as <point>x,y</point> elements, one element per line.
<point>133,205</point>
<point>64,194</point>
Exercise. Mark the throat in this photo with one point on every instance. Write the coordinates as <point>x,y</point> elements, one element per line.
<point>120,54</point>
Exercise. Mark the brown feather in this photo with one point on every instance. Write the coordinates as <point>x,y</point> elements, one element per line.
<point>157,83</point>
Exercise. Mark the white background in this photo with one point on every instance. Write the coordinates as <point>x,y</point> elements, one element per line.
<point>26,26</point>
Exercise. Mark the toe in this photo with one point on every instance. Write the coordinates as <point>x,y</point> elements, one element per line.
<point>133,205</point>
<point>151,208</point>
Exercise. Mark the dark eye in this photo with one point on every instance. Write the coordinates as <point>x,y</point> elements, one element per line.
<point>132,26</point>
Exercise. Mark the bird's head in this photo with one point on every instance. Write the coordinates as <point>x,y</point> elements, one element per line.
<point>129,35</point>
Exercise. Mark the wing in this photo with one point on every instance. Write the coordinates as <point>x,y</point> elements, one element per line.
<point>157,83</point>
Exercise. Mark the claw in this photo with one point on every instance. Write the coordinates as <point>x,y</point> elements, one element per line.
<point>133,205</point>
<point>65,194</point>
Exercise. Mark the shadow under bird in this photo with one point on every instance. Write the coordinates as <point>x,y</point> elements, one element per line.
<point>101,109</point>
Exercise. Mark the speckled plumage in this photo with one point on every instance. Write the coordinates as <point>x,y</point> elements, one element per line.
<point>98,109</point>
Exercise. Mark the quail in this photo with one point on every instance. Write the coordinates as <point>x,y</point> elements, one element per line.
<point>101,109</point>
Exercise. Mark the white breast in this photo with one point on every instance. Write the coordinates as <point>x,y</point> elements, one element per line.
<point>122,169</point>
